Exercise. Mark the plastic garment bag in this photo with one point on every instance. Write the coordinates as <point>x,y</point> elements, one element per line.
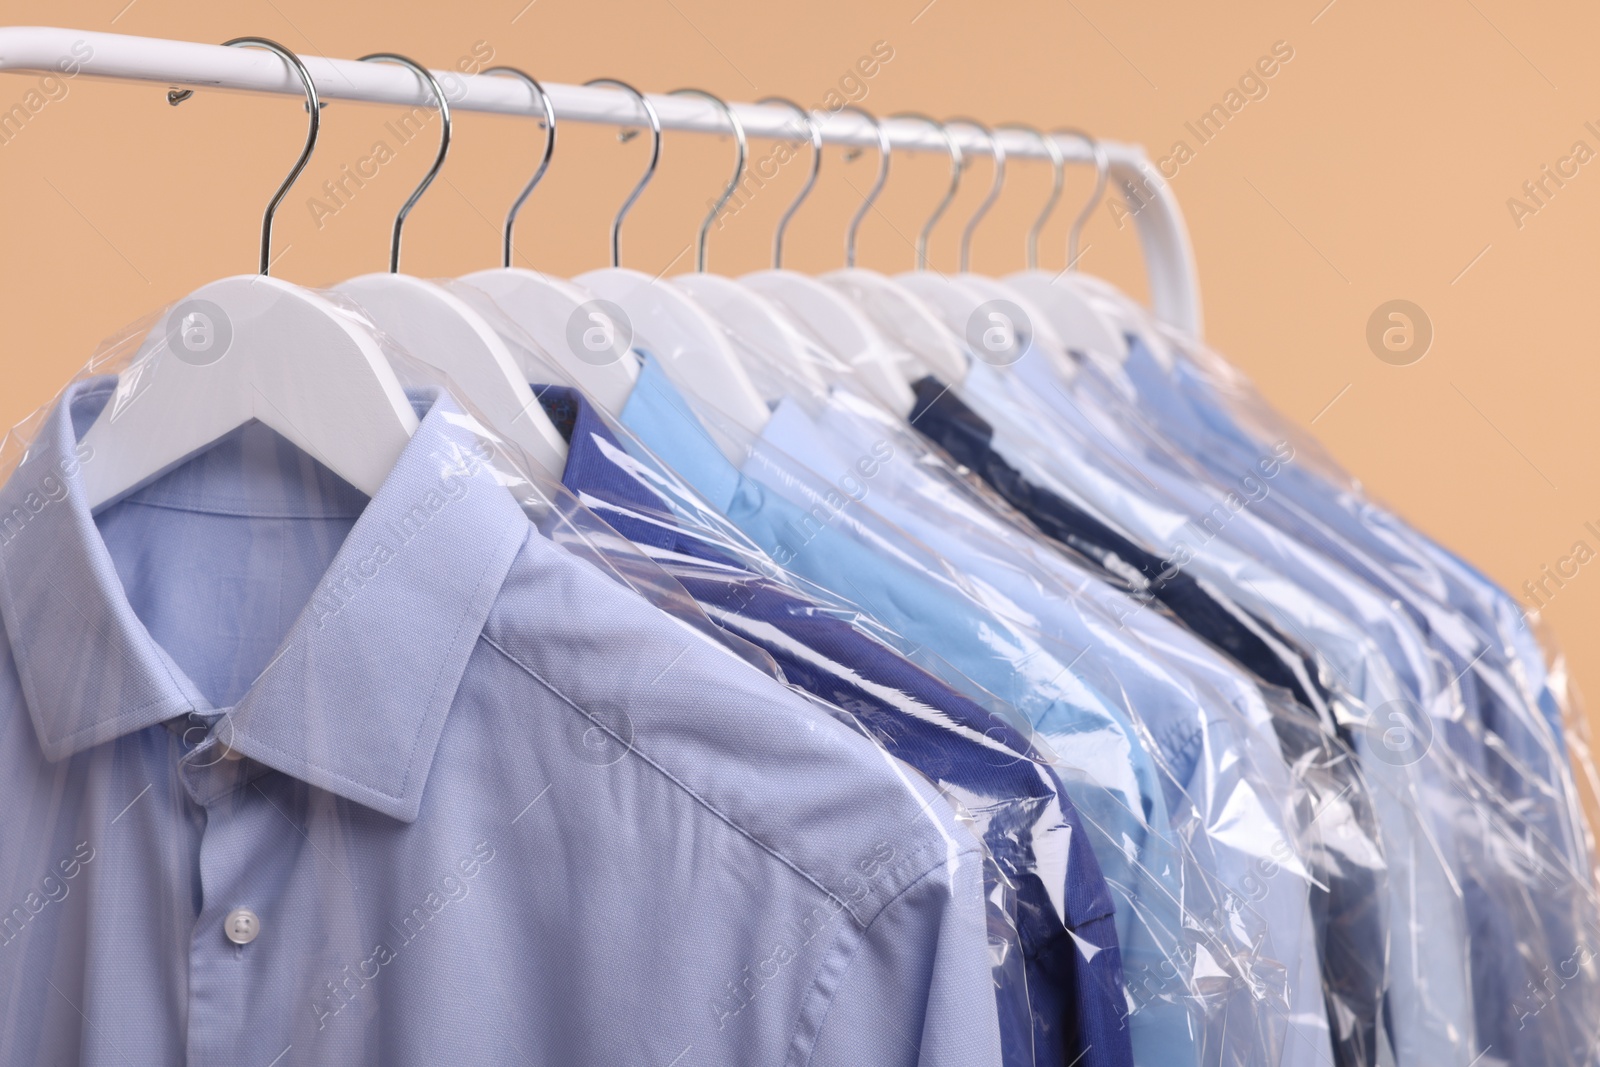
<point>1506,923</point>
<point>923,496</point>
<point>793,540</point>
<point>1429,990</point>
<point>1513,739</point>
<point>400,779</point>
<point>1346,877</point>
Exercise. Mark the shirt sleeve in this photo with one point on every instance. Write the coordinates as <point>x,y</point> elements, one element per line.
<point>916,989</point>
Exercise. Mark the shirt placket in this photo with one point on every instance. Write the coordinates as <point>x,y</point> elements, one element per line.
<point>237,933</point>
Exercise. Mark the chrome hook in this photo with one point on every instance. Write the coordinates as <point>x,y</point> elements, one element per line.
<point>1058,166</point>
<point>811,179</point>
<point>738,169</point>
<point>544,162</point>
<point>650,171</point>
<point>884,148</point>
<point>1102,170</point>
<point>443,107</point>
<point>956,163</point>
<point>998,153</point>
<point>313,128</point>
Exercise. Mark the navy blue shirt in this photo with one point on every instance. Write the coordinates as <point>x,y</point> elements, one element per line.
<point>1073,970</point>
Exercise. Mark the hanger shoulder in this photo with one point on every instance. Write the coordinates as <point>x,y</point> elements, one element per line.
<point>693,348</point>
<point>1081,325</point>
<point>243,348</point>
<point>553,312</point>
<point>902,314</point>
<point>843,329</point>
<point>440,329</point>
<point>758,322</point>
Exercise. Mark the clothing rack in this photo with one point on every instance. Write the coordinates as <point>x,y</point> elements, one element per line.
<point>1169,259</point>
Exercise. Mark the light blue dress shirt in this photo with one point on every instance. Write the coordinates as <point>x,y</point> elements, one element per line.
<point>482,804</point>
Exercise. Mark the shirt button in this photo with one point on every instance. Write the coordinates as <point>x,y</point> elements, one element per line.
<point>241,926</point>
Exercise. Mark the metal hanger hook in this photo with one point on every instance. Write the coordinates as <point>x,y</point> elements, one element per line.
<point>997,152</point>
<point>544,161</point>
<point>738,168</point>
<point>443,107</point>
<point>956,163</point>
<point>650,171</point>
<point>811,179</point>
<point>313,128</point>
<point>1102,171</point>
<point>1058,167</point>
<point>884,148</point>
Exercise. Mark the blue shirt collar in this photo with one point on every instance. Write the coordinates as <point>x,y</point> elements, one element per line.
<point>598,469</point>
<point>665,422</point>
<point>385,637</point>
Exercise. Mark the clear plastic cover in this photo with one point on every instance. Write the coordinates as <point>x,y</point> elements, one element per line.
<point>1237,807</point>
<point>1513,742</point>
<point>1481,750</point>
<point>455,772</point>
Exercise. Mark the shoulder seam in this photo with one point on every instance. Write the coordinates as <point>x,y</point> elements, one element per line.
<point>702,801</point>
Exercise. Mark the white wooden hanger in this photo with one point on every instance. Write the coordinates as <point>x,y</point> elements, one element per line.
<point>438,328</point>
<point>692,346</point>
<point>561,318</point>
<point>1079,318</point>
<point>770,346</point>
<point>248,348</point>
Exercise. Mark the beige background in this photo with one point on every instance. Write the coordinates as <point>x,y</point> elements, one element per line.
<point>1378,165</point>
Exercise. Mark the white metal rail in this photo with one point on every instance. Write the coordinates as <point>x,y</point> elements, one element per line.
<point>43,49</point>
